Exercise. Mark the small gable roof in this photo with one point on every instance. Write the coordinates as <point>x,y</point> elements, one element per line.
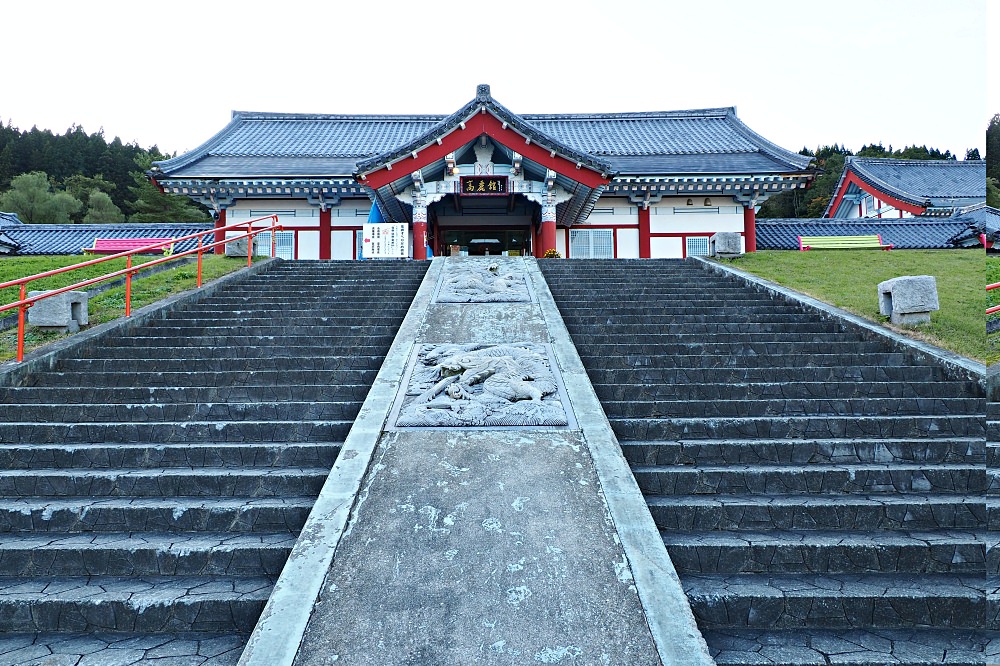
<point>9,218</point>
<point>927,184</point>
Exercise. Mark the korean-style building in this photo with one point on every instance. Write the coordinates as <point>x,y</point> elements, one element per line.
<point>486,180</point>
<point>885,188</point>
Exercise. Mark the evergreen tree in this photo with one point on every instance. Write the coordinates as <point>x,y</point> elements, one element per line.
<point>972,154</point>
<point>102,210</point>
<point>32,198</point>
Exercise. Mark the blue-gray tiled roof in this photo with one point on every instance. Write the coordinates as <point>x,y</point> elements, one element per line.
<point>9,218</point>
<point>929,183</point>
<point>72,238</point>
<point>656,143</point>
<point>911,233</point>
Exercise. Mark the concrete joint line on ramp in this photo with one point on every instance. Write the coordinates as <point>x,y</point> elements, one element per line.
<point>409,520</point>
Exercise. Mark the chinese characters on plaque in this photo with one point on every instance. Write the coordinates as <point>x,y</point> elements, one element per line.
<point>384,240</point>
<point>483,186</point>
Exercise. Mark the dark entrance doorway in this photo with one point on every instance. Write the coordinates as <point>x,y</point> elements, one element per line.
<point>480,242</point>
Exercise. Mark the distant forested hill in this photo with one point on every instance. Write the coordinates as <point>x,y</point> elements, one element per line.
<point>77,177</point>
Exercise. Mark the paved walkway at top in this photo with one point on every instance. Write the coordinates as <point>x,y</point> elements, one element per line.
<point>479,545</point>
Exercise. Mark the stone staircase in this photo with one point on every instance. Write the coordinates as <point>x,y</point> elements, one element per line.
<point>819,490</point>
<point>153,486</point>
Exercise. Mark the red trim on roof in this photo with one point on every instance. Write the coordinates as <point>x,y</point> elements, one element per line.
<point>477,125</point>
<point>875,192</point>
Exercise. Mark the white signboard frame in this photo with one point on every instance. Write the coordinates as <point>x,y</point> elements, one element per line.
<point>386,240</point>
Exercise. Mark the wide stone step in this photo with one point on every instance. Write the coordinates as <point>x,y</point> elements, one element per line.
<point>238,351</point>
<point>639,408</point>
<point>147,603</point>
<point>181,394</point>
<point>812,479</point>
<point>289,363</point>
<point>921,646</point>
<point>798,427</point>
<point>171,514</point>
<point>784,349</point>
<point>817,512</point>
<point>228,337</point>
<point>163,432</point>
<point>919,451</point>
<point>141,413</point>
<point>239,325</point>
<point>183,454</point>
<point>104,648</point>
<point>162,482</point>
<point>721,336</point>
<point>821,552</point>
<point>651,359</point>
<point>143,554</point>
<point>201,377</point>
<point>785,390</point>
<point>835,601</point>
<point>775,373</point>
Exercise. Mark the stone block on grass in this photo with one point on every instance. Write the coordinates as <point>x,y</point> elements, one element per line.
<point>908,300</point>
<point>65,312</point>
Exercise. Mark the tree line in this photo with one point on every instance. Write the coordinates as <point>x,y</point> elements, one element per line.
<point>812,201</point>
<point>74,177</point>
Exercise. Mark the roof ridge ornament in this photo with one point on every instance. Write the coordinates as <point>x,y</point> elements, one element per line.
<point>483,91</point>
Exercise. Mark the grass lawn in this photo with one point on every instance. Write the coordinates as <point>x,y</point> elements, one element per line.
<point>109,304</point>
<point>849,279</point>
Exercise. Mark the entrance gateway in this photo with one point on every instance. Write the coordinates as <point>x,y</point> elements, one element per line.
<point>484,179</point>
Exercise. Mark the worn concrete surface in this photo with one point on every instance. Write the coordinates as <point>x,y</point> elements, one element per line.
<point>471,547</point>
<point>480,546</point>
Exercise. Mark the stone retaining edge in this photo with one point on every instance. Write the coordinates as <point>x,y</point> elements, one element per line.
<point>668,613</point>
<point>958,365</point>
<point>276,638</point>
<point>41,360</point>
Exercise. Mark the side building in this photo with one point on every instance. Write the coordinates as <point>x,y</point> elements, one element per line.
<point>486,180</point>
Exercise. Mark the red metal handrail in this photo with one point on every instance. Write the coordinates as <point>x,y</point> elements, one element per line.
<point>25,302</point>
<point>995,308</point>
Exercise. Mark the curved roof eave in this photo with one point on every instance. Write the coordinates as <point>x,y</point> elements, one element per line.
<point>775,151</point>
<point>192,156</point>
<point>483,100</point>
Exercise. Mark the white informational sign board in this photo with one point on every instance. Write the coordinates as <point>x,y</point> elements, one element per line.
<point>385,240</point>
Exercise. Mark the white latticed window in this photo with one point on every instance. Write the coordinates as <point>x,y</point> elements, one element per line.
<point>591,244</point>
<point>284,244</point>
<point>697,246</point>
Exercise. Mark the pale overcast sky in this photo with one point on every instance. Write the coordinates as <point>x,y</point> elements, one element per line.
<point>800,73</point>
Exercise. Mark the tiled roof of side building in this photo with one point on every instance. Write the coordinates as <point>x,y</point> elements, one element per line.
<point>979,219</point>
<point>934,183</point>
<point>36,239</point>
<point>9,218</point>
<point>912,233</point>
<point>269,144</point>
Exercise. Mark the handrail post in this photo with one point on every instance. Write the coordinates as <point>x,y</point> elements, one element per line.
<point>199,260</point>
<point>20,324</point>
<point>128,287</point>
<point>249,244</point>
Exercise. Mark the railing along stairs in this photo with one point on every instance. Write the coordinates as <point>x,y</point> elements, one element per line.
<point>26,302</point>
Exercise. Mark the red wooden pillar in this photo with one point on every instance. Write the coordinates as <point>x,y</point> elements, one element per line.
<point>750,228</point>
<point>219,234</point>
<point>419,240</point>
<point>547,236</point>
<point>325,230</point>
<point>644,249</point>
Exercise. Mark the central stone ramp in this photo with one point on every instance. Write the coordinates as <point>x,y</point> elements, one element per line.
<point>478,545</point>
